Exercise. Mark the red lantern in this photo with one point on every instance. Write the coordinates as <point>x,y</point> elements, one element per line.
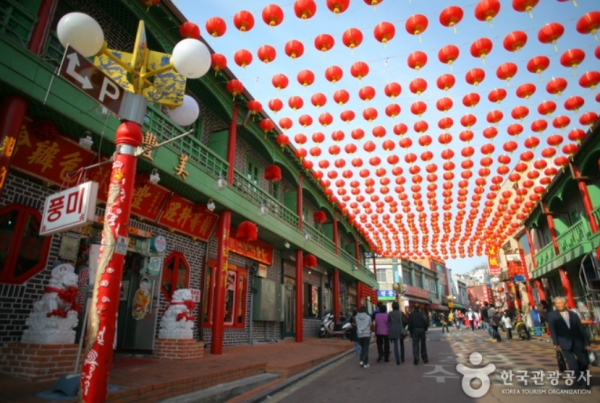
<point>325,119</point>
<point>216,27</point>
<point>247,231</point>
<point>448,54</point>
<point>235,87</point>
<point>588,119</point>
<point>417,86</point>
<point>416,25</point>
<point>590,79</point>
<point>556,86</point>
<point>352,38</point>
<point>392,110</point>
<point>338,6</point>
<point>243,20</point>
<point>189,30</point>
<point>481,48</point>
<point>560,122</point>
<point>218,62</point>
<point>538,64</point>
<point>306,78</point>
<point>319,99</point>
<point>359,70</point>
<point>574,103</point>
<point>370,114</point>
<point>272,15</point>
<point>334,74</point>
<point>318,137</point>
<point>497,95</point>
<point>494,116</point>
<point>366,93</point>
<point>400,129</point>
<point>285,123</point>
<point>273,173</point>
<point>341,97</point>
<point>392,89</point>
<point>506,71</point>
<point>589,23</point>
<point>487,10</point>
<point>450,16</point>
<point>471,100</point>
<point>294,49</point>
<point>324,42</point>
<point>418,108</point>
<point>305,121</point>
<point>547,108</point>
<point>421,126</point>
<point>254,107</point>
<point>550,33</point>
<point>416,60</point>
<point>266,54</point>
<point>319,217</point>
<point>577,135</point>
<point>520,112</point>
<point>384,32</point>
<point>468,120</point>
<point>347,116</point>
<point>280,81</point>
<point>538,126</point>
<point>266,125</point>
<point>275,105</point>
<point>475,76</point>
<point>305,9</point>
<point>444,104</point>
<point>572,58</point>
<point>295,102</point>
<point>446,82</point>
<point>514,41</point>
<point>445,123</point>
<point>525,6</point>
<point>490,132</point>
<point>242,58</point>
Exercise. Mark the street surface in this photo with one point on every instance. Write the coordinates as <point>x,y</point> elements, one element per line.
<point>440,381</point>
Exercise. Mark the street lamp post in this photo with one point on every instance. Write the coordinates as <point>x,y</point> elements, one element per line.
<point>190,59</point>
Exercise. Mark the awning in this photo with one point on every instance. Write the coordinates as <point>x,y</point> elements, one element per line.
<point>458,306</point>
<point>438,307</point>
<point>561,260</point>
<point>417,299</point>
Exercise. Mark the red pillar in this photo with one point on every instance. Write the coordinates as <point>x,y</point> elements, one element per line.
<point>299,295</point>
<point>357,250</point>
<point>41,31</point>
<point>12,114</point>
<point>566,283</point>
<point>336,294</point>
<point>299,201</point>
<point>551,227</point>
<point>216,344</point>
<point>585,197</point>
<point>335,233</point>
<point>531,248</point>
<point>231,145</point>
<point>107,288</point>
<point>540,289</point>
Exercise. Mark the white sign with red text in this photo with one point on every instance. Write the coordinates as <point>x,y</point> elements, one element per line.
<point>71,208</point>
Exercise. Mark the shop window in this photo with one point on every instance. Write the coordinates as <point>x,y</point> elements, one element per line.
<point>252,171</point>
<point>23,252</point>
<point>312,301</point>
<point>176,274</point>
<point>274,190</point>
<point>235,296</point>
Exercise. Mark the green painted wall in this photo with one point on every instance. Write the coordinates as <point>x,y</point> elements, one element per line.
<point>594,190</point>
<point>290,200</point>
<point>328,230</point>
<point>218,143</point>
<point>561,224</point>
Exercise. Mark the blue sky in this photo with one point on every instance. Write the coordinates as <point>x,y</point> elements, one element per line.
<point>388,63</point>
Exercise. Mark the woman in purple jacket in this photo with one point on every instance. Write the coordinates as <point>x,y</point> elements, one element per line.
<point>382,330</point>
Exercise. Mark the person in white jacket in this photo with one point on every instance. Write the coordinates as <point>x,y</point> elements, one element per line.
<point>507,325</point>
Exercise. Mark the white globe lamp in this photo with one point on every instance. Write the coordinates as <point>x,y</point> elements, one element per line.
<point>186,113</point>
<point>191,58</point>
<point>81,32</point>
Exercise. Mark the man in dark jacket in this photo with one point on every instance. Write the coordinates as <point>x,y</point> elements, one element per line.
<point>417,326</point>
<point>569,334</point>
<point>485,318</point>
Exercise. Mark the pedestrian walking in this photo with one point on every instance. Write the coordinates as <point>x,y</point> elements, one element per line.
<point>495,323</point>
<point>382,331</point>
<point>397,332</point>
<point>354,334</point>
<point>363,332</point>
<point>507,325</point>
<point>460,320</point>
<point>485,318</point>
<point>444,322</point>
<point>471,318</point>
<point>451,318</point>
<point>569,335</point>
<point>417,326</point>
<point>376,311</point>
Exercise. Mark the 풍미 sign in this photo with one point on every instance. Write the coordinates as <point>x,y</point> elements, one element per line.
<point>71,208</point>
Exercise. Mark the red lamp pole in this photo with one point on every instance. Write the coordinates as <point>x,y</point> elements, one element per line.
<point>105,299</point>
<point>216,344</point>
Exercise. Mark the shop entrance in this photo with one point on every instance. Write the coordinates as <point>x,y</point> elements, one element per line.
<point>288,326</point>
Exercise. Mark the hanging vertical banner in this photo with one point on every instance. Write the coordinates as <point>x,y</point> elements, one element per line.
<point>514,264</point>
<point>493,262</point>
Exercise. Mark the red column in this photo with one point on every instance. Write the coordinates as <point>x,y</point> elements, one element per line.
<point>566,283</point>
<point>299,201</point>
<point>531,248</point>
<point>107,285</point>
<point>551,227</point>
<point>216,344</point>
<point>336,294</point>
<point>357,250</point>
<point>540,289</point>
<point>231,143</point>
<point>40,33</point>
<point>585,197</point>
<point>335,233</point>
<point>299,295</point>
<point>12,113</point>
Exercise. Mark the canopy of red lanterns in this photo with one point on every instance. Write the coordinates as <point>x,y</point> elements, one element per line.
<point>412,115</point>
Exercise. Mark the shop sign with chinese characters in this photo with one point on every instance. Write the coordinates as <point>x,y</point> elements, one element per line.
<point>416,291</point>
<point>71,208</point>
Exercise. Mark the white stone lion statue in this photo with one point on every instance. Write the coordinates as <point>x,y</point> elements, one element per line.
<point>177,321</point>
<point>54,316</point>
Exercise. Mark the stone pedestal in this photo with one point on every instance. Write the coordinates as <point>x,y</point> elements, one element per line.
<point>178,349</point>
<point>50,330</point>
<point>38,362</point>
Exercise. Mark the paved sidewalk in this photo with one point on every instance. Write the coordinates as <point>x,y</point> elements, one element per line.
<point>148,379</point>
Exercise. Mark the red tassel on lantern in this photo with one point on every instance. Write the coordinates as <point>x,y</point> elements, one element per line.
<point>273,173</point>
<point>320,217</point>
<point>247,231</point>
<point>310,261</point>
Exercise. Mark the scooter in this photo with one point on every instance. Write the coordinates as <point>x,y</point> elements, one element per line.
<point>521,329</point>
<point>331,328</point>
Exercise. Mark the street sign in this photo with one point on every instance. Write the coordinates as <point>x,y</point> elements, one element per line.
<point>83,74</point>
<point>519,278</point>
<point>71,208</point>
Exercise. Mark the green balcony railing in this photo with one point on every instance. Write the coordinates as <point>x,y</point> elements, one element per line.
<point>596,214</point>
<point>544,255</point>
<point>16,21</point>
<point>158,124</point>
<point>54,51</point>
<point>252,191</point>
<point>348,257</point>
<point>318,237</point>
<point>366,271</point>
<point>573,237</point>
